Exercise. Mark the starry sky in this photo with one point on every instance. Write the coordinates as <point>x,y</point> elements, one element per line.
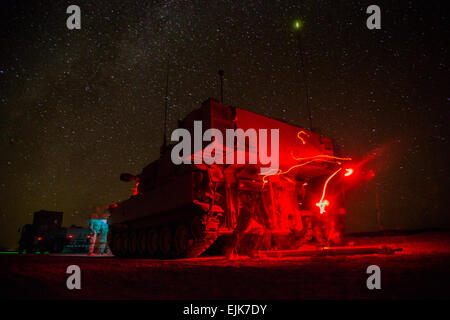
<point>79,107</point>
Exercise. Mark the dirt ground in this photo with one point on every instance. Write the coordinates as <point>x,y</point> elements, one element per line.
<point>420,271</point>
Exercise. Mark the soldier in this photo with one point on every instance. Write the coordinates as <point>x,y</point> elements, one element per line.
<point>328,226</point>
<point>93,239</point>
<point>243,221</point>
<point>99,226</point>
<point>251,209</point>
<point>103,234</point>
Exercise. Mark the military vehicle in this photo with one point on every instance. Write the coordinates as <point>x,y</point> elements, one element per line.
<point>75,239</point>
<point>46,234</point>
<point>41,234</point>
<point>181,210</point>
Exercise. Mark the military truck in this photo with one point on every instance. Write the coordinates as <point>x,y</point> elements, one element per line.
<point>180,210</point>
<point>46,234</point>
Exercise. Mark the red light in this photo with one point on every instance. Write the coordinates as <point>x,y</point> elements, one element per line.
<point>320,157</point>
<point>300,137</point>
<point>70,236</point>
<point>39,238</point>
<point>89,236</point>
<point>348,172</point>
<point>280,172</point>
<point>322,204</point>
<point>135,190</point>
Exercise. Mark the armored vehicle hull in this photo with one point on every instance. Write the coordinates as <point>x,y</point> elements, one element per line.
<point>180,210</point>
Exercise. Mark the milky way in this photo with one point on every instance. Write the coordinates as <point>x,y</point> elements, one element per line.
<point>79,107</point>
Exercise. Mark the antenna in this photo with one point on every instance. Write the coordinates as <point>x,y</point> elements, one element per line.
<point>166,98</point>
<point>221,73</point>
<point>305,80</point>
<point>298,26</point>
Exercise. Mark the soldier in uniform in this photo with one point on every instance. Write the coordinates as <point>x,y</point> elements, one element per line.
<point>246,212</point>
<point>99,226</point>
<point>328,226</point>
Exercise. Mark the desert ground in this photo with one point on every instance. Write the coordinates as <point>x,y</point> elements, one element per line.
<point>419,271</point>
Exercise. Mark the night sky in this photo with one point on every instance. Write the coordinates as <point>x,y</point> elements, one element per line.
<point>79,107</point>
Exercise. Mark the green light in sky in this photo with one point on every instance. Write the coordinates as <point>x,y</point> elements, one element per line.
<point>298,24</point>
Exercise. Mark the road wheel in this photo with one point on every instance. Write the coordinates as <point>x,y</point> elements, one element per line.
<point>201,238</point>
<point>132,245</point>
<point>197,227</point>
<point>165,241</point>
<point>124,243</point>
<point>141,243</point>
<point>115,247</point>
<point>152,242</point>
<point>181,240</point>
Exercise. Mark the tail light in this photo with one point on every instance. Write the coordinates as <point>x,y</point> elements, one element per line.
<point>39,238</point>
<point>70,236</point>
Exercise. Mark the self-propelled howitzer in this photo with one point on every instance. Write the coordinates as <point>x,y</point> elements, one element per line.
<point>180,210</point>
